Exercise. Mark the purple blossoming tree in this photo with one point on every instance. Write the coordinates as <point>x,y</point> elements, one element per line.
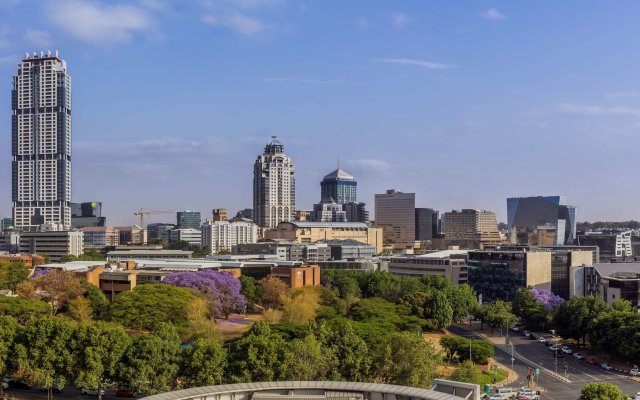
<point>547,298</point>
<point>222,289</point>
<point>40,271</point>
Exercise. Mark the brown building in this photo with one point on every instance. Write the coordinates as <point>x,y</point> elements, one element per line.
<point>219,214</point>
<point>396,215</point>
<point>27,261</point>
<point>298,276</point>
<point>471,228</point>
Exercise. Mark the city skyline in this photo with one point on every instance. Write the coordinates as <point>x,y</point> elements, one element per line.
<point>397,92</point>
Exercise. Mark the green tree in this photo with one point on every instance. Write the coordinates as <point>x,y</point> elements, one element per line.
<point>99,303</point>
<point>151,363</point>
<point>99,349</point>
<point>600,391</point>
<point>257,356</point>
<point>466,372</point>
<point>463,301</point>
<point>497,315</point>
<point>23,309</point>
<point>79,309</point>
<point>441,315</point>
<point>44,352</point>
<point>203,363</point>
<point>56,287</point>
<point>406,359</point>
<point>249,290</point>
<point>270,291</point>
<point>200,253</point>
<point>349,349</point>
<point>574,316</point>
<point>147,305</point>
<point>306,360</point>
<point>8,333</point>
<point>12,274</point>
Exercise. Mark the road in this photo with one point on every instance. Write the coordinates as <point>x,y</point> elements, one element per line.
<point>578,374</point>
<point>69,392</point>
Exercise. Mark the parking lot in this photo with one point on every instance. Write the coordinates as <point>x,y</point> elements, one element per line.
<point>530,354</point>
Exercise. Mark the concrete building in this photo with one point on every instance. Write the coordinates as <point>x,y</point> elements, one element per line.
<point>297,276</point>
<point>497,274</point>
<point>26,261</point>
<point>449,263</point>
<point>87,214</point>
<point>349,249</point>
<point>132,234</point>
<point>310,232</point>
<point>6,224</point>
<point>160,231</point>
<point>189,235</point>
<point>328,212</point>
<point>122,255</point>
<point>613,245</point>
<point>10,240</point>
<point>219,214</point>
<point>395,214</point>
<point>525,215</point>
<point>338,187</point>
<point>611,281</point>
<point>52,244</point>
<point>274,193</point>
<point>220,236</point>
<point>471,228</point>
<point>426,224</point>
<point>41,143</point>
<point>356,212</point>
<point>100,236</point>
<point>188,219</point>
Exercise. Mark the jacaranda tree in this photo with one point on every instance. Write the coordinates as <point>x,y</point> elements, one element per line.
<point>222,289</point>
<point>549,300</point>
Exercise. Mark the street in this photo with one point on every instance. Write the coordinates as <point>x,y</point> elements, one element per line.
<point>528,353</point>
<point>69,392</point>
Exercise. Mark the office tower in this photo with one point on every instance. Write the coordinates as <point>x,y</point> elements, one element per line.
<point>339,187</point>
<point>160,231</point>
<point>274,194</point>
<point>41,143</point>
<point>426,224</point>
<point>470,227</point>
<point>356,212</point>
<point>395,214</point>
<point>220,236</point>
<point>328,212</point>
<point>188,220</point>
<point>219,214</point>
<point>87,214</point>
<point>525,215</point>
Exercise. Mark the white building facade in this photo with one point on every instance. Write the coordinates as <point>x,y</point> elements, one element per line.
<point>41,143</point>
<point>220,236</point>
<point>274,193</point>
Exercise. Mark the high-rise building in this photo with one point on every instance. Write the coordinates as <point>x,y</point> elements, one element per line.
<point>339,187</point>
<point>41,143</point>
<point>426,224</point>
<point>188,220</point>
<point>395,214</point>
<point>87,214</point>
<point>526,215</point>
<point>274,194</point>
<point>356,212</point>
<point>220,236</point>
<point>470,227</point>
<point>219,214</point>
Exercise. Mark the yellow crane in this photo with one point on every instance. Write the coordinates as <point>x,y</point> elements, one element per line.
<point>142,212</point>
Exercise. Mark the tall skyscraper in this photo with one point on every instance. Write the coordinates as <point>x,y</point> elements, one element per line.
<point>339,187</point>
<point>395,214</point>
<point>274,193</point>
<point>41,143</point>
<point>526,214</point>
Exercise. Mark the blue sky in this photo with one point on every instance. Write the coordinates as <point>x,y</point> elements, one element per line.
<point>463,103</point>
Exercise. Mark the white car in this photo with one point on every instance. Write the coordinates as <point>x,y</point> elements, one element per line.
<point>497,396</point>
<point>635,372</point>
<point>637,396</point>
<point>554,347</point>
<point>92,392</point>
<point>578,356</point>
<point>542,340</point>
<point>529,393</point>
<point>567,350</point>
<point>606,366</point>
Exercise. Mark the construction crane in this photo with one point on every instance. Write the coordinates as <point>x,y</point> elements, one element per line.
<point>141,212</point>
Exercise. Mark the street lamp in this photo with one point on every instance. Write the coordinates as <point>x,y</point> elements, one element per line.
<point>512,359</point>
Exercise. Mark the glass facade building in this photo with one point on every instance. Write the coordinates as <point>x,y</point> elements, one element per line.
<point>188,220</point>
<point>526,214</point>
<point>338,186</point>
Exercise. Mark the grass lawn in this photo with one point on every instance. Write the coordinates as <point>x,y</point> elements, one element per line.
<point>487,377</point>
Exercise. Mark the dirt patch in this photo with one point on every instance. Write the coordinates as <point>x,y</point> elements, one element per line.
<point>434,338</point>
<point>237,324</point>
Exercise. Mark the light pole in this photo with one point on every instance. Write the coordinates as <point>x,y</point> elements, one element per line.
<point>512,359</point>
<point>556,359</point>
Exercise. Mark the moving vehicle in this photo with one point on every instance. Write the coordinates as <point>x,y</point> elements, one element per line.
<point>567,350</point>
<point>592,361</point>
<point>606,366</point>
<point>126,393</point>
<point>634,372</point>
<point>91,392</point>
<point>578,356</point>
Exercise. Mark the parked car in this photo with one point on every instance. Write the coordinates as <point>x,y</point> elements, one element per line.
<point>91,392</point>
<point>515,328</point>
<point>637,396</point>
<point>567,350</point>
<point>578,356</point>
<point>533,336</point>
<point>554,347</point>
<point>529,394</point>
<point>542,339</point>
<point>126,393</point>
<point>13,384</point>
<point>592,361</point>
<point>507,392</point>
<point>497,396</point>
<point>634,372</point>
<point>606,366</point>
<point>526,333</point>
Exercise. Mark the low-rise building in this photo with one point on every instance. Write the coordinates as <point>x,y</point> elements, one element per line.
<point>189,235</point>
<point>25,260</point>
<point>614,246</point>
<point>88,270</point>
<point>100,236</point>
<point>310,232</point>
<point>122,255</point>
<point>52,244</point>
<point>222,236</point>
<point>349,249</point>
<point>449,263</point>
<point>131,235</point>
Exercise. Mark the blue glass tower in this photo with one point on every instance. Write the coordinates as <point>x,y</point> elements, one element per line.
<point>339,187</point>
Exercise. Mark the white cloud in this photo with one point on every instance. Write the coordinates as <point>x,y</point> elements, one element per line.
<point>418,63</point>
<point>399,20</point>
<point>302,80</point>
<point>621,94</point>
<point>238,15</point>
<point>237,22</point>
<point>566,108</point>
<point>370,165</point>
<point>98,24</point>
<point>493,14</point>
<point>362,23</point>
<point>41,39</point>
